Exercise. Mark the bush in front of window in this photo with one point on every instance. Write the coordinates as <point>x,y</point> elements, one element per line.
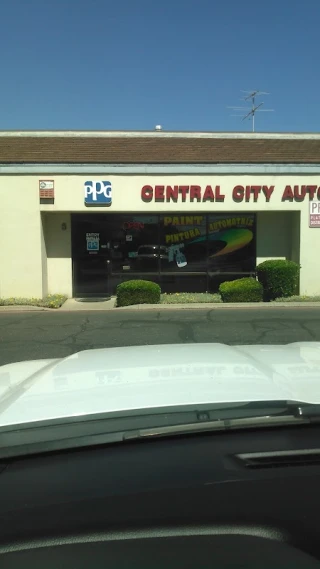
<point>279,278</point>
<point>247,289</point>
<point>138,292</point>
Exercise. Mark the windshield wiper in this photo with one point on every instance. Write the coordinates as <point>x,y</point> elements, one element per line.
<point>271,414</point>
<point>89,430</point>
<point>293,414</point>
<point>309,411</point>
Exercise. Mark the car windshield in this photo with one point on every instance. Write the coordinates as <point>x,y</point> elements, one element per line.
<point>160,208</point>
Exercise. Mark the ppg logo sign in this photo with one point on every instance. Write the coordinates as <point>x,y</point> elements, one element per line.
<point>97,193</point>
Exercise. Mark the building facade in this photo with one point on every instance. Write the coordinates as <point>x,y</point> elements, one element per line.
<point>81,212</point>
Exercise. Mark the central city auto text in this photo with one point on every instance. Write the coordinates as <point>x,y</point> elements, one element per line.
<point>161,194</point>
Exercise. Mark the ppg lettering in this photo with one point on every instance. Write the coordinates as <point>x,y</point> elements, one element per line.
<point>98,193</point>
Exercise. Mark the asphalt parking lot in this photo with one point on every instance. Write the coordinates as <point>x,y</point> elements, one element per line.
<point>34,335</point>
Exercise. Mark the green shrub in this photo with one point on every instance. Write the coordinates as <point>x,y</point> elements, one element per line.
<point>247,289</point>
<point>279,278</point>
<point>138,292</point>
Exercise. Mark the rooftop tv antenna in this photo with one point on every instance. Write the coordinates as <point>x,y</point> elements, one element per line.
<point>247,112</point>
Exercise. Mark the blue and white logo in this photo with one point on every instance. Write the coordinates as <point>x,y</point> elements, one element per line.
<point>97,193</point>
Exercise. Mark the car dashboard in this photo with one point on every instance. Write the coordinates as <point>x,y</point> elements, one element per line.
<point>244,499</point>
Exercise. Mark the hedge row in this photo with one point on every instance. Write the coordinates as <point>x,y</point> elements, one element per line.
<point>276,279</point>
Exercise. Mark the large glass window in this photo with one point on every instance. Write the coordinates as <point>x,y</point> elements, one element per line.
<point>185,239</point>
<point>186,251</point>
<point>134,242</point>
<point>231,243</point>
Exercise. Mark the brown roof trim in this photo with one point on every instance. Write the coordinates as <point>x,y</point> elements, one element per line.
<point>154,149</point>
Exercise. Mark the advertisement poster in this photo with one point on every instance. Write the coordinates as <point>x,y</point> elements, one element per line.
<point>93,241</point>
<point>214,242</point>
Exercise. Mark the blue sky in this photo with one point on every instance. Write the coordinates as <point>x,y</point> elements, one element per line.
<point>132,64</point>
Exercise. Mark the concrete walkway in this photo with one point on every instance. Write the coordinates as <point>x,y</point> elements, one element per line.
<point>74,304</point>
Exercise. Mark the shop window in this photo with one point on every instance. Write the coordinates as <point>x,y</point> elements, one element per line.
<point>134,244</point>
<point>182,282</point>
<point>181,252</point>
<point>183,240</point>
<point>231,243</point>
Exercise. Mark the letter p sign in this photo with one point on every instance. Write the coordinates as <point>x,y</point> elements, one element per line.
<point>97,193</point>
<point>315,207</point>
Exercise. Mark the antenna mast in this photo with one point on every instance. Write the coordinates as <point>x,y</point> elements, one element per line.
<point>251,96</point>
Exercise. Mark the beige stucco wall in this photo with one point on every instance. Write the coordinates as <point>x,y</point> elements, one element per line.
<point>274,234</point>
<point>126,189</point>
<point>58,248</point>
<point>21,245</point>
<point>44,257</point>
<point>35,253</point>
<point>310,268</point>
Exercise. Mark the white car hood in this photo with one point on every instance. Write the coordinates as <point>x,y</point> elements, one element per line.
<point>147,377</point>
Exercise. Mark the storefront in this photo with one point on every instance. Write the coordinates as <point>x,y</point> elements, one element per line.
<point>78,218</point>
<point>181,252</point>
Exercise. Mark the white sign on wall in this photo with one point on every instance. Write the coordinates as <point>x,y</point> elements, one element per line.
<point>46,184</point>
<point>314,214</point>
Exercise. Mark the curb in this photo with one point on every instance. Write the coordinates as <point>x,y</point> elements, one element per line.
<point>163,307</point>
<point>200,306</point>
<point>219,306</point>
